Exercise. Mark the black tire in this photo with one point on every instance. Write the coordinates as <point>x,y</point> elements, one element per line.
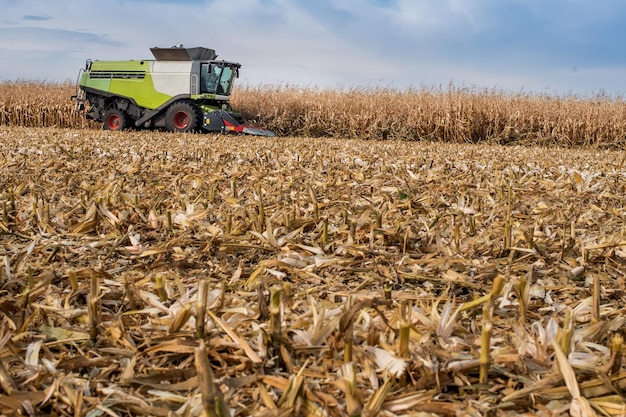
<point>116,120</point>
<point>183,117</point>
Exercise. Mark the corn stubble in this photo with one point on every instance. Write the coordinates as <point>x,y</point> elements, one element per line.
<point>155,274</point>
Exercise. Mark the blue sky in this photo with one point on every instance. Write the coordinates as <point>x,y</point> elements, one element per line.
<point>535,46</point>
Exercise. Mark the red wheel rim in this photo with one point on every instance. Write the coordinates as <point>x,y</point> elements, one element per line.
<point>181,119</point>
<point>114,121</point>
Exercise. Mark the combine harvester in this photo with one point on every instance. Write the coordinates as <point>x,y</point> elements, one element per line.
<point>181,90</point>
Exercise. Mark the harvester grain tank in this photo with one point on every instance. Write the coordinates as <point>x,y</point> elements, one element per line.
<point>181,90</point>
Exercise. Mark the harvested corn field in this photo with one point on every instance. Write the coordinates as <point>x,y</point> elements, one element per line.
<point>160,274</point>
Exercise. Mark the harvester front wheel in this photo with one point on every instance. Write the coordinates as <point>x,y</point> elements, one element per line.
<point>182,117</point>
<point>115,119</point>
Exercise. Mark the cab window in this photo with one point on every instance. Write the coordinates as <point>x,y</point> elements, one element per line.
<point>216,78</point>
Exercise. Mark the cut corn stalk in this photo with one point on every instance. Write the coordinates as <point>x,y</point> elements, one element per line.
<point>93,307</point>
<point>201,309</point>
<point>212,398</point>
<point>485,345</point>
<point>617,342</point>
<point>405,329</point>
<point>376,401</point>
<point>354,401</point>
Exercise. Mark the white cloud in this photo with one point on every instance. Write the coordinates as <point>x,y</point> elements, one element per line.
<point>512,45</point>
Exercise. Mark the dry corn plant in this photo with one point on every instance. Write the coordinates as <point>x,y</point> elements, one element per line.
<point>156,274</point>
<point>448,114</point>
<point>39,104</point>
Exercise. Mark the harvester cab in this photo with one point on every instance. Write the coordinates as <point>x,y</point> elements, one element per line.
<point>181,90</point>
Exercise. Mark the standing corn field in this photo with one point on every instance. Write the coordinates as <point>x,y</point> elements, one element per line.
<point>432,114</point>
<point>38,104</point>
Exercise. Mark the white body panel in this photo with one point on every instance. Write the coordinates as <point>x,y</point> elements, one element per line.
<point>171,77</point>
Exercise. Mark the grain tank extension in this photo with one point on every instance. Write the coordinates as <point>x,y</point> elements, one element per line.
<point>181,90</point>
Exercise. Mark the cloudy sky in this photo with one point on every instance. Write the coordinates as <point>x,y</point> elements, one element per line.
<point>535,46</point>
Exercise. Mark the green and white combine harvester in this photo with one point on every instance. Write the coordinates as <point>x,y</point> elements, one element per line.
<point>181,90</point>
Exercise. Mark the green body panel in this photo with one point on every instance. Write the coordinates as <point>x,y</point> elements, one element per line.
<point>145,96</point>
<point>205,96</point>
<point>141,89</point>
<point>129,65</point>
<point>208,108</point>
<point>103,85</point>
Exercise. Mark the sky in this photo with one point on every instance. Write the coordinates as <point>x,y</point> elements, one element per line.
<point>562,47</point>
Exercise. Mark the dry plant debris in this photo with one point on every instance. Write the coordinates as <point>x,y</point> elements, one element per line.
<point>165,275</point>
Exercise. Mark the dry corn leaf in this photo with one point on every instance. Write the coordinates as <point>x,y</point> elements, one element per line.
<point>432,224</point>
<point>67,336</point>
<point>233,335</point>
